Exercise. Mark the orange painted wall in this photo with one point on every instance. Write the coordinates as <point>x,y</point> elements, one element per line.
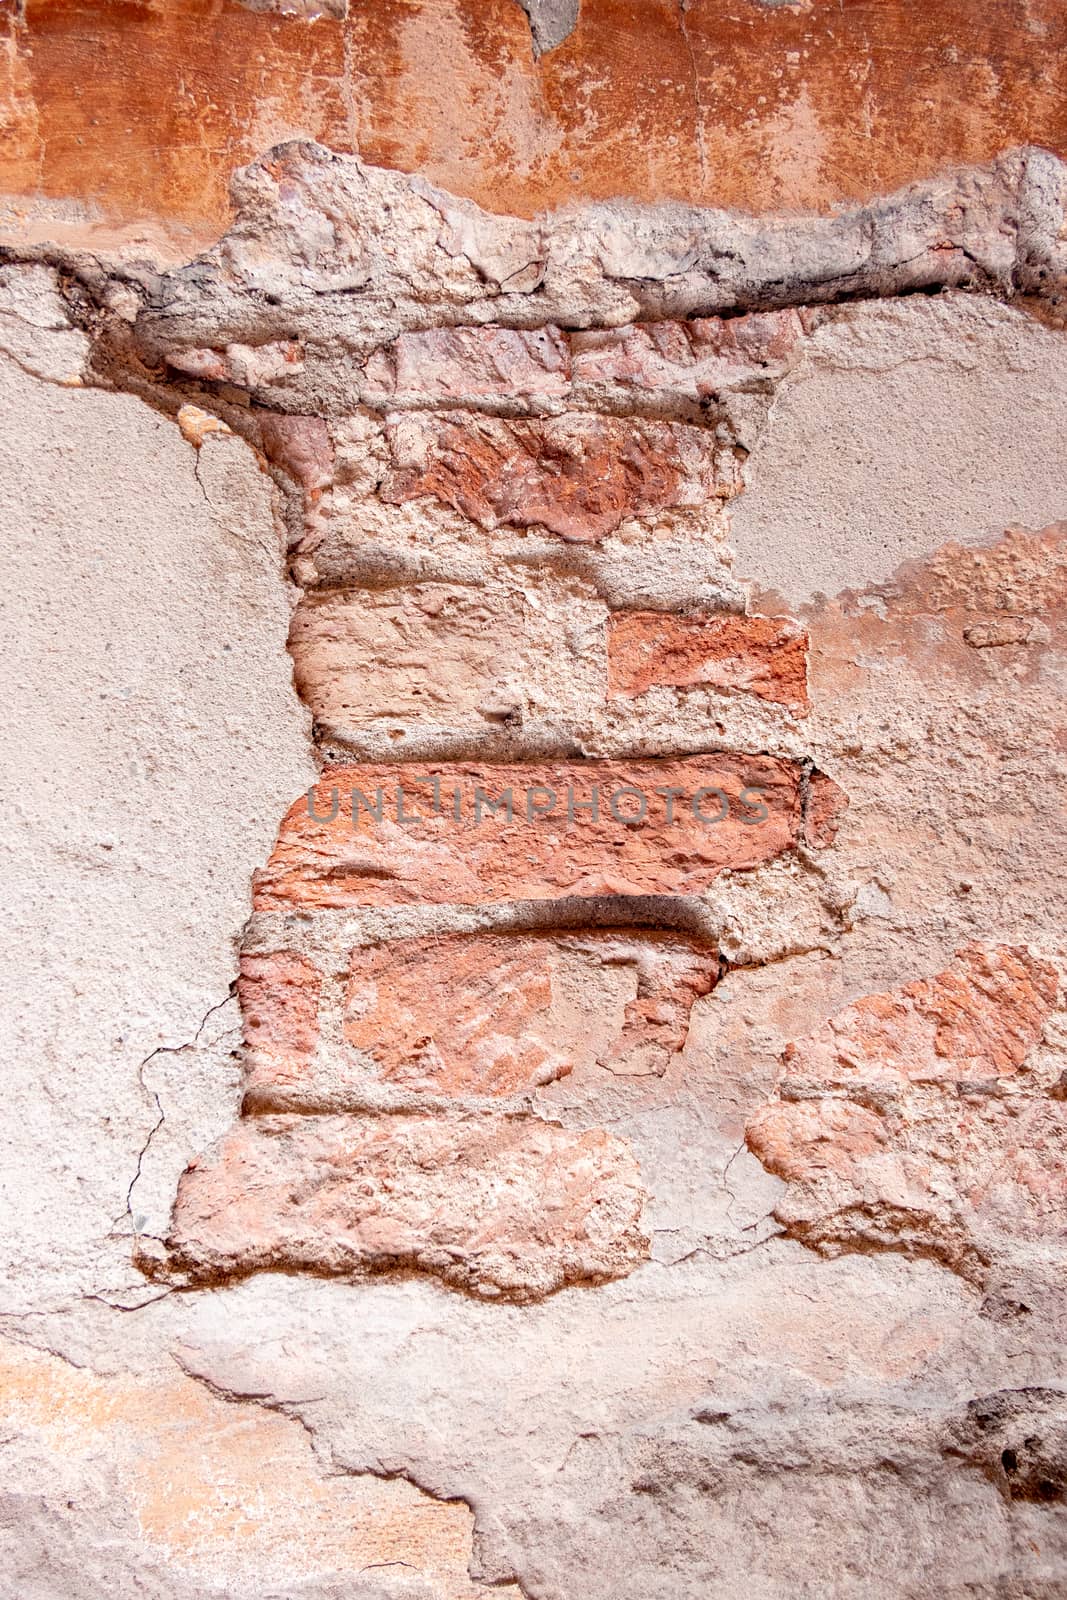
<point>144,107</point>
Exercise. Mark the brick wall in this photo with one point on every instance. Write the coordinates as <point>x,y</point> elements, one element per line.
<point>515,588</point>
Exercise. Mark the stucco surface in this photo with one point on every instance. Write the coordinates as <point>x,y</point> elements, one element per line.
<point>904,426</point>
<point>556,1234</point>
<point>150,733</point>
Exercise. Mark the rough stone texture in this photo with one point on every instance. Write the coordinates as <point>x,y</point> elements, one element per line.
<point>518,1208</point>
<point>35,328</point>
<point>689,360</point>
<point>487,1230</point>
<point>665,363</point>
<point>551,21</point>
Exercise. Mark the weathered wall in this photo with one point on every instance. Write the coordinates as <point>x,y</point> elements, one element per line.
<point>147,690</point>
<point>140,112</point>
<point>607,1137</point>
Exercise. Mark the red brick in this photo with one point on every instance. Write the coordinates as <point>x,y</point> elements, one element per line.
<point>976,1020</point>
<point>300,445</point>
<point>436,859</point>
<point>499,1014</point>
<point>494,1205</point>
<point>824,807</point>
<point>279,998</point>
<point>895,1128</point>
<point>456,1016</point>
<point>764,656</point>
<point>697,358</point>
<point>578,476</point>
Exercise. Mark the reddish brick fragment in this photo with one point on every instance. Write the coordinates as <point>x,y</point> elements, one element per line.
<point>495,1205</point>
<point>697,358</point>
<point>499,1014</point>
<point>279,997</point>
<point>456,1016</point>
<point>300,445</point>
<point>701,816</point>
<point>765,656</point>
<point>976,1020</point>
<point>428,652</point>
<point>471,363</point>
<point>897,1126</point>
<point>579,476</point>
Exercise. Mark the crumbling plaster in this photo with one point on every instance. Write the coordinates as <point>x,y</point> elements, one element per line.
<point>738,1410</point>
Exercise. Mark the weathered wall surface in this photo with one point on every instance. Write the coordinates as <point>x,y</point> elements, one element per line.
<point>150,735</point>
<point>537,1054</point>
<point>140,112</point>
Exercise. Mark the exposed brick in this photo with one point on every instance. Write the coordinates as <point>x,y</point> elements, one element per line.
<point>895,1126</point>
<point>490,1015</point>
<point>471,363</point>
<point>963,1181</point>
<point>579,476</point>
<point>824,807</point>
<point>279,998</point>
<point>765,656</point>
<point>697,358</point>
<point>200,362</point>
<point>457,1016</point>
<point>494,1205</point>
<point>432,652</point>
<point>300,445</point>
<point>345,860</point>
<point>832,1138</point>
<point>978,1019</point>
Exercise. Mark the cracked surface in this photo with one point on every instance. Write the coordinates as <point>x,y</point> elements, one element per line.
<point>700,1237</point>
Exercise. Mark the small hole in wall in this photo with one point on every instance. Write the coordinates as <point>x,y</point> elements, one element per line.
<point>1009,1460</point>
